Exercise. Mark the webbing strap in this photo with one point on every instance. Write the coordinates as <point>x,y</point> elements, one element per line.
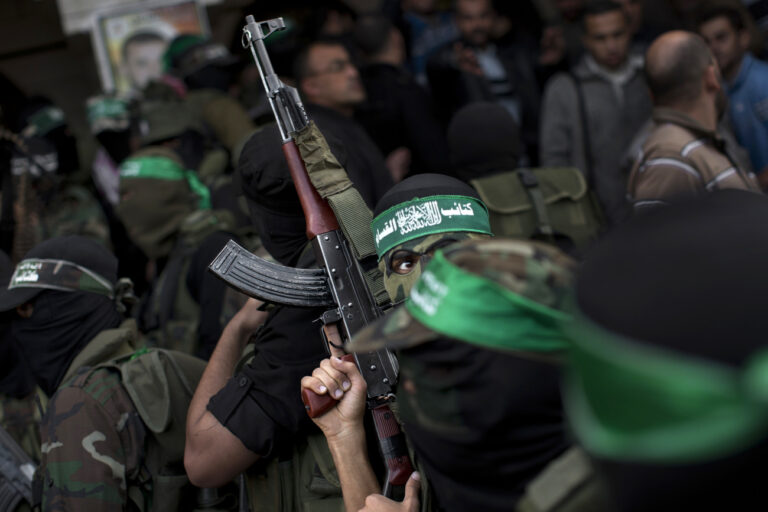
<point>531,184</point>
<point>355,221</point>
<point>332,183</point>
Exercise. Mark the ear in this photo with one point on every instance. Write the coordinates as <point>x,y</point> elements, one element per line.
<point>309,87</point>
<point>712,82</point>
<point>25,310</point>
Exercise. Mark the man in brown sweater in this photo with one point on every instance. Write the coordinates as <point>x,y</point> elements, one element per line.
<point>683,156</point>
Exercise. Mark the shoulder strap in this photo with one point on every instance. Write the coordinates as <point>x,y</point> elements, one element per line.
<point>531,185</point>
<point>169,289</point>
<point>584,128</point>
<point>567,484</point>
<point>332,183</point>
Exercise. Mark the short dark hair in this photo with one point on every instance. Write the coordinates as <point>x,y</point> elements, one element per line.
<point>732,14</point>
<point>676,78</point>
<point>597,7</point>
<point>372,34</point>
<point>301,61</point>
<point>144,36</point>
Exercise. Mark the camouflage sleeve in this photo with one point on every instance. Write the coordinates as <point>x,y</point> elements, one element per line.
<point>91,447</point>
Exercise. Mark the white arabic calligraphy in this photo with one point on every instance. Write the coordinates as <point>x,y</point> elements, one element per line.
<point>389,227</point>
<point>418,216</point>
<point>459,210</point>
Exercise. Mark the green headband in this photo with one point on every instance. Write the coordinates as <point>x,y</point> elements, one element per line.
<point>463,306</point>
<point>107,113</point>
<point>427,216</point>
<point>45,120</point>
<point>161,168</point>
<point>59,275</point>
<point>630,401</point>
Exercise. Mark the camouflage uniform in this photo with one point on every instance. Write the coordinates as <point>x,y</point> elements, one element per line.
<point>112,437</point>
<point>97,433</point>
<point>92,437</point>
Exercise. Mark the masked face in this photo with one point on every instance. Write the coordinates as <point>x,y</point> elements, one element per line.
<point>152,211</point>
<point>402,265</point>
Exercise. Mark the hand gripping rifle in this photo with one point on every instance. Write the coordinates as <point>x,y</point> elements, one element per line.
<point>338,283</point>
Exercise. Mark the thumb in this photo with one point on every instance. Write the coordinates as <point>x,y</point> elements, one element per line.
<point>411,499</point>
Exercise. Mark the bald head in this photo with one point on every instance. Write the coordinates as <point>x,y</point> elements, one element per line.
<point>675,66</point>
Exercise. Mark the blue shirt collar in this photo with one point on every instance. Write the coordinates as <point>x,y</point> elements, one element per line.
<point>746,66</point>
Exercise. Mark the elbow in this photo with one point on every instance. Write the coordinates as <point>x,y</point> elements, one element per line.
<point>201,470</point>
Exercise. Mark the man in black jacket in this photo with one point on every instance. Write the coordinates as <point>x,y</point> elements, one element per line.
<point>331,87</point>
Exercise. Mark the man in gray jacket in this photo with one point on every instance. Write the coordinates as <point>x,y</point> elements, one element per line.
<point>590,115</point>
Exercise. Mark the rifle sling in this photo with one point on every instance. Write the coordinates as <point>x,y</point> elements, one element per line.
<point>354,217</point>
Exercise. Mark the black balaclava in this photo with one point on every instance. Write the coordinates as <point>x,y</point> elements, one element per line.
<point>116,143</point>
<point>483,139</point>
<point>63,322</point>
<point>686,277</point>
<point>272,200</point>
<point>483,423</point>
<point>211,77</point>
<point>61,325</point>
<point>422,185</point>
<point>15,379</point>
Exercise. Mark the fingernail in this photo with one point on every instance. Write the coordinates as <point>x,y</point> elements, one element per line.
<point>338,393</point>
<point>415,475</point>
<point>346,384</point>
<point>337,359</point>
<point>323,389</point>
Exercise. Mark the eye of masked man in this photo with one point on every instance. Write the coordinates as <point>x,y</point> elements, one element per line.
<point>417,217</point>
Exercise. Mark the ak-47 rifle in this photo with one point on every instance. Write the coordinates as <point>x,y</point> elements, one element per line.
<point>339,282</point>
<point>16,472</point>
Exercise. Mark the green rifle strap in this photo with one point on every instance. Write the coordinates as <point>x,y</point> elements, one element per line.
<point>531,184</point>
<point>332,183</point>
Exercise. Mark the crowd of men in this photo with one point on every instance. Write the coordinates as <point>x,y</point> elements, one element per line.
<point>555,205</point>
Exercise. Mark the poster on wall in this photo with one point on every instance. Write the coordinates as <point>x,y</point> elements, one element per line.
<point>129,42</point>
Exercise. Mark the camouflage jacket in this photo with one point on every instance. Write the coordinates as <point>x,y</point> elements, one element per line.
<point>92,437</point>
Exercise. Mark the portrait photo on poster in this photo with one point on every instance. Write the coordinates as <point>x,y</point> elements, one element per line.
<point>130,41</point>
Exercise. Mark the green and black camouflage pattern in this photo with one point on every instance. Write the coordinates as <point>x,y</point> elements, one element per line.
<point>92,445</point>
<point>533,270</point>
<point>398,286</point>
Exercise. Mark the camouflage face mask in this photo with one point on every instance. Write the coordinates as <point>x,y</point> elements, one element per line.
<point>398,285</point>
